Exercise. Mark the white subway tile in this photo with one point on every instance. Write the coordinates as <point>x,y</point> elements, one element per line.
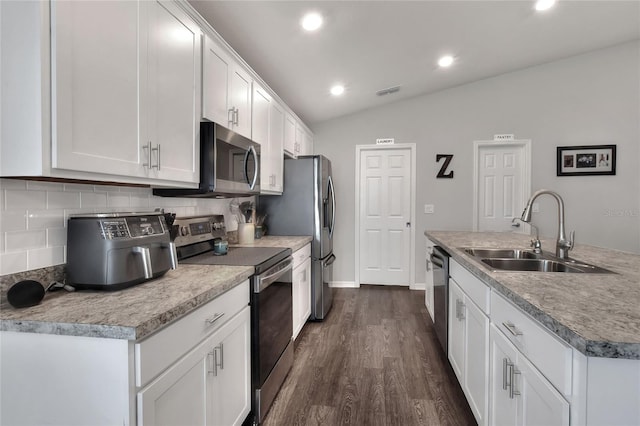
<point>90,200</point>
<point>10,263</point>
<point>34,185</point>
<point>63,200</point>
<point>56,237</point>
<point>77,187</point>
<point>13,220</point>
<point>24,240</point>
<point>48,256</point>
<point>13,184</point>
<point>140,201</point>
<point>18,199</point>
<point>42,219</point>
<point>117,200</point>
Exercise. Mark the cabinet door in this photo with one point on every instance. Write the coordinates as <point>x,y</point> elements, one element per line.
<point>456,329</point>
<point>240,100</point>
<point>230,388</point>
<point>307,144</point>
<point>215,83</point>
<point>476,369</point>
<point>301,296</point>
<point>276,142</point>
<point>541,403</point>
<point>260,115</point>
<point>173,89</point>
<point>95,87</point>
<point>290,135</point>
<point>503,407</point>
<point>299,139</point>
<point>179,395</point>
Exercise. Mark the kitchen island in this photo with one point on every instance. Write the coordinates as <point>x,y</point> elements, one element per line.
<point>544,347</point>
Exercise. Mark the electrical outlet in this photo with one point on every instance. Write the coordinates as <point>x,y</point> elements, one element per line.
<point>536,207</point>
<point>429,209</point>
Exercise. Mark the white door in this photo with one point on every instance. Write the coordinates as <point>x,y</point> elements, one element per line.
<point>503,407</point>
<point>502,184</point>
<point>385,215</point>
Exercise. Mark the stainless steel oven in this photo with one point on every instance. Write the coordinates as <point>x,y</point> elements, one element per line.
<point>271,331</point>
<point>440,261</point>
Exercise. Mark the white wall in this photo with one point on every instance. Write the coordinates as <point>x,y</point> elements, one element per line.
<point>33,216</point>
<point>583,100</point>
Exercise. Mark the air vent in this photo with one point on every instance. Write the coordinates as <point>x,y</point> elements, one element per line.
<point>388,91</point>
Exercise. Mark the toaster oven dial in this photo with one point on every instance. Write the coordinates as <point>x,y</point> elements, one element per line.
<point>184,231</point>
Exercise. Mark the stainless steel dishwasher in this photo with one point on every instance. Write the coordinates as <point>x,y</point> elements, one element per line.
<point>440,261</point>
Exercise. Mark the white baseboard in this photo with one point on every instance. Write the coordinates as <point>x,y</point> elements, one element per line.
<point>418,286</point>
<point>343,284</point>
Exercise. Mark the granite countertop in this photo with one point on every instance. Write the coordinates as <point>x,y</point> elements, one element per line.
<point>292,242</point>
<point>132,313</point>
<point>598,314</point>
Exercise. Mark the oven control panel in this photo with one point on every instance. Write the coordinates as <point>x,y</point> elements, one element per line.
<point>199,228</point>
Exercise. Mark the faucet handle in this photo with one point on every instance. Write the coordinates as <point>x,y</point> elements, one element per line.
<point>572,238</point>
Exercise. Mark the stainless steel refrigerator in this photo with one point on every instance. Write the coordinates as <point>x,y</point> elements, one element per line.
<point>307,207</point>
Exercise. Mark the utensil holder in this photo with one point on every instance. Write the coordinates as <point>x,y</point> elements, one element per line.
<point>246,233</point>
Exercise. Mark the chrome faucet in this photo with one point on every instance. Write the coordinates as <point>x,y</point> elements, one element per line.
<point>562,244</point>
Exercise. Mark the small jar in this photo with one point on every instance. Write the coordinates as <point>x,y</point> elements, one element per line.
<point>220,247</point>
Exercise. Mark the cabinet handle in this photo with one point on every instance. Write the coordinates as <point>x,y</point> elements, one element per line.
<point>459,309</point>
<point>147,153</point>
<point>214,318</point>
<point>221,348</point>
<point>512,391</point>
<point>235,115</point>
<point>505,367</point>
<point>512,328</point>
<point>230,115</point>
<point>214,362</point>
<point>157,150</point>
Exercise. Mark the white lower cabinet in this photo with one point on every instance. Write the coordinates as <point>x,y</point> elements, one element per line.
<point>469,350</point>
<point>301,288</point>
<point>208,386</point>
<point>520,394</point>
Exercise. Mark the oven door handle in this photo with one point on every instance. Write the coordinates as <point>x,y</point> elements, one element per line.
<point>437,260</point>
<point>265,281</point>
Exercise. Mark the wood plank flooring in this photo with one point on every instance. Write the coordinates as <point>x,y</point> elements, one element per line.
<point>375,360</point>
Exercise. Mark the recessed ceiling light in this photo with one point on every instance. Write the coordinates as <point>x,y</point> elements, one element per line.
<point>445,61</point>
<point>544,5</point>
<point>337,90</point>
<point>311,21</point>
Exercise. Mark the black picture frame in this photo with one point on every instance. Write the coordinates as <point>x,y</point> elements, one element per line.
<point>586,160</point>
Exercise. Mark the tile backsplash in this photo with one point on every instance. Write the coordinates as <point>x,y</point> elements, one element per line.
<point>33,216</point>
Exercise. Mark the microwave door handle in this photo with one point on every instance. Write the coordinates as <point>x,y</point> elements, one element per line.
<point>246,165</point>
<point>252,150</point>
<point>333,207</point>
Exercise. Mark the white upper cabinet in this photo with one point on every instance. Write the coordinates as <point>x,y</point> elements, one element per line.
<point>290,135</point>
<point>260,115</point>
<point>125,89</point>
<point>272,157</point>
<point>173,90</point>
<point>124,80</point>
<point>226,89</point>
<point>95,87</point>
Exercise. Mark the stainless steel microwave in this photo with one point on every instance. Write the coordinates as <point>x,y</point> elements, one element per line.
<point>229,165</point>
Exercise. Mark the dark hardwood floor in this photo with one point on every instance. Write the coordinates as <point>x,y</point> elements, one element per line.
<point>375,360</point>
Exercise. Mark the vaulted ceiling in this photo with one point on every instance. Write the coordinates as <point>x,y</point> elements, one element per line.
<point>372,45</point>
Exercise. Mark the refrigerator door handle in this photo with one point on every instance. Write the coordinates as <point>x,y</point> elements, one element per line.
<point>329,261</point>
<point>333,207</point>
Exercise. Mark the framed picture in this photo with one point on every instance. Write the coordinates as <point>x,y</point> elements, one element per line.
<point>586,160</point>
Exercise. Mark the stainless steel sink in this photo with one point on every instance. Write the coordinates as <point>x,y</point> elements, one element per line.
<point>517,260</point>
<point>488,253</point>
<point>540,265</point>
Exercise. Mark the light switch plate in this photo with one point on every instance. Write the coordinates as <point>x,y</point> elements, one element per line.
<point>429,209</point>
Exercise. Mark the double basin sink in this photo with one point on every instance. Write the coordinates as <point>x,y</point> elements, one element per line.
<point>517,260</point>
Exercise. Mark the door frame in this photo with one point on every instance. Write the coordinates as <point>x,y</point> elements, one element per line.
<point>412,199</point>
<point>525,144</point>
